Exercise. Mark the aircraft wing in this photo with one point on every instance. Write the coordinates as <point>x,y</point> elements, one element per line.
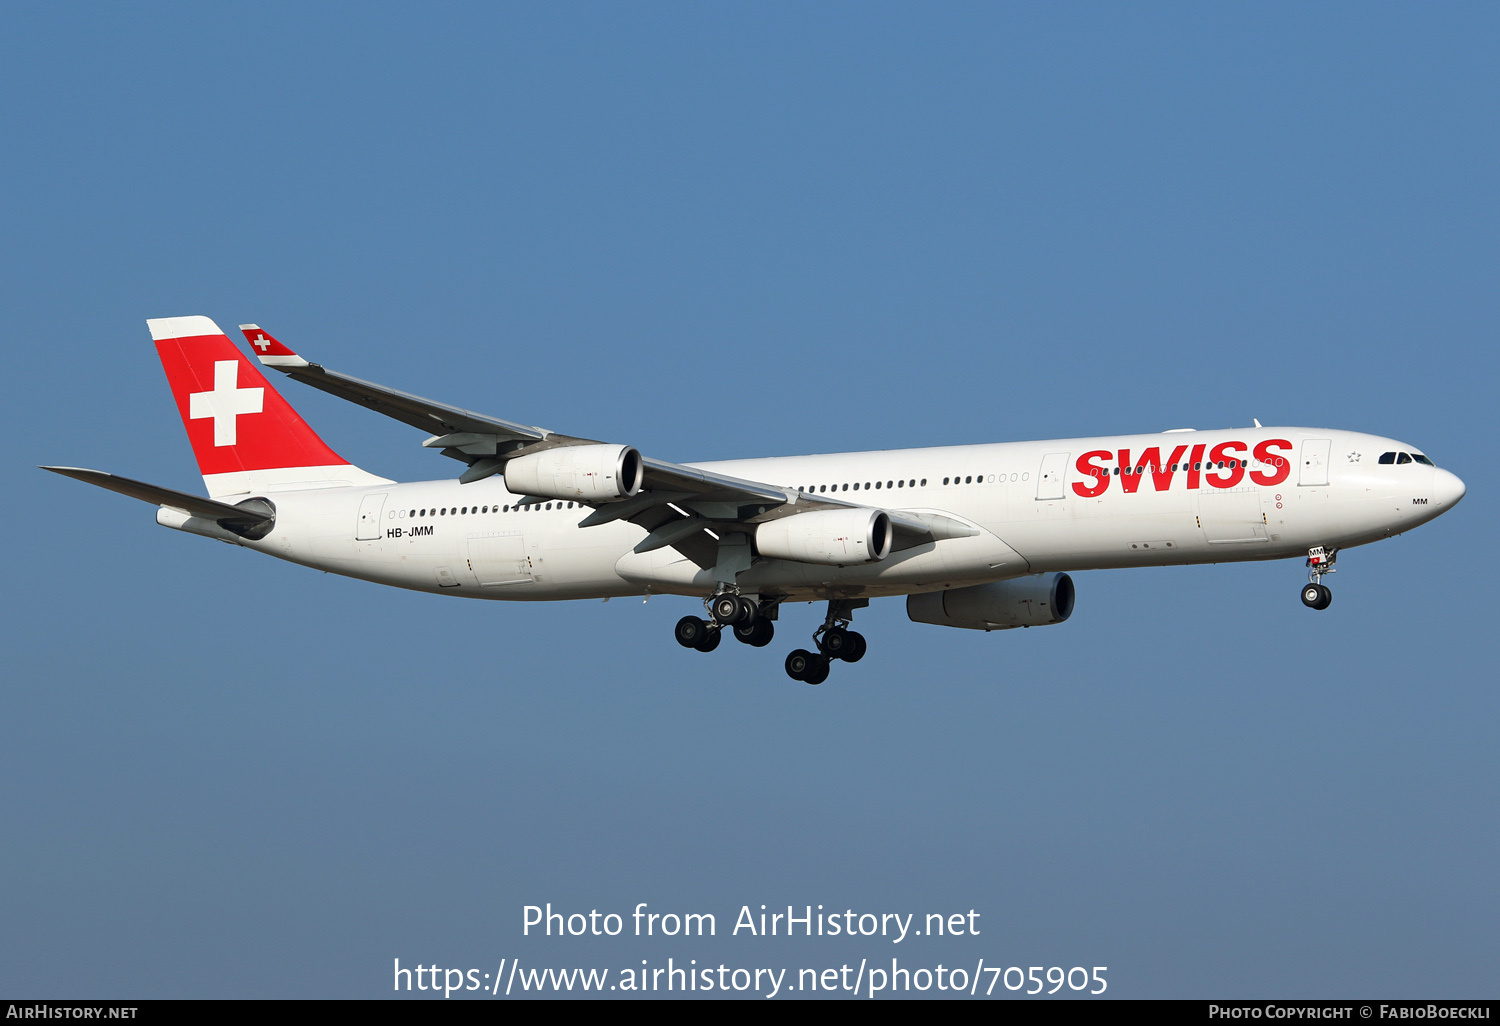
<point>438,418</point>
<point>676,504</point>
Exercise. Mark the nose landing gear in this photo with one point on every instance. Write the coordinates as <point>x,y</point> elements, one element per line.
<point>1316,594</point>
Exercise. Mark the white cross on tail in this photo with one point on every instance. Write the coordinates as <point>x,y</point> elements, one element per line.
<point>226,402</point>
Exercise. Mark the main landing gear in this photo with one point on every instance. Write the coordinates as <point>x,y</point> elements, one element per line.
<point>742,616</point>
<point>834,640</point>
<point>1316,595</point>
<point>751,623</point>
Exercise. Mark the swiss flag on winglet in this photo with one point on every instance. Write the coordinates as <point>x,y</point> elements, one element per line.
<point>270,352</point>
<point>235,420</point>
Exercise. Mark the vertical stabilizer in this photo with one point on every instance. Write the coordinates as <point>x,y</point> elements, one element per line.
<point>246,437</point>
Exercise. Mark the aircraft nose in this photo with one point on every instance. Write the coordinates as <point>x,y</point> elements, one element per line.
<point>1447,489</point>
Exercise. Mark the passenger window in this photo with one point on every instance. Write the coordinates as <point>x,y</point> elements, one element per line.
<point>924,482</point>
<point>1387,457</point>
<point>877,484</point>
<point>1116,470</point>
<point>900,484</point>
<point>968,480</point>
<point>1422,459</point>
<point>1402,458</point>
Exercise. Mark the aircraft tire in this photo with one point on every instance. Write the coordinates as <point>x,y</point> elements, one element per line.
<point>728,609</point>
<point>1312,594</point>
<point>835,643</point>
<point>817,673</point>
<point>857,647</point>
<point>710,641</point>
<point>757,632</point>
<point>690,631</point>
<point>798,663</point>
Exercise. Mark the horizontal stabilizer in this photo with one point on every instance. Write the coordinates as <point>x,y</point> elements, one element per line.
<point>195,504</point>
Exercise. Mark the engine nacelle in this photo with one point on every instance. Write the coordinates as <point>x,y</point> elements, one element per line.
<point>592,473</point>
<point>832,537</point>
<point>1023,602</point>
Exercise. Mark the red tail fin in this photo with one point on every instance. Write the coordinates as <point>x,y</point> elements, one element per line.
<point>244,434</point>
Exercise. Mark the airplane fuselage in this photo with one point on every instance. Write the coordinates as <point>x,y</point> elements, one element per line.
<point>1163,499</point>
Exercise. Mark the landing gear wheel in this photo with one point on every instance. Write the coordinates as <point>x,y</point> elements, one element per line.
<point>817,672</point>
<point>835,643</point>
<point>856,647</point>
<point>799,662</point>
<point>757,632</point>
<point>1317,596</point>
<point>690,631</point>
<point>731,610</point>
<point>710,641</point>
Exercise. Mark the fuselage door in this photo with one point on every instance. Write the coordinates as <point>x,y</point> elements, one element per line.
<point>369,517</point>
<point>1314,470</point>
<point>1049,480</point>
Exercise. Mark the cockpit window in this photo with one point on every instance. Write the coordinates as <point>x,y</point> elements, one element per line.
<point>1387,457</point>
<point>1422,459</point>
<point>1401,457</point>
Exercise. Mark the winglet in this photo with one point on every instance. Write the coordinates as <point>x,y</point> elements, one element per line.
<point>270,352</point>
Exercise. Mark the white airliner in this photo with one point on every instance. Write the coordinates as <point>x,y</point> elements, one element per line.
<point>975,536</point>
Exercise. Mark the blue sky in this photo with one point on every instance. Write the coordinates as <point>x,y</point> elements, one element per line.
<point>725,231</point>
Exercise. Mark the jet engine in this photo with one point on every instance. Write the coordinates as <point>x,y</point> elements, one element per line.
<point>591,473</point>
<point>1023,602</point>
<point>832,537</point>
